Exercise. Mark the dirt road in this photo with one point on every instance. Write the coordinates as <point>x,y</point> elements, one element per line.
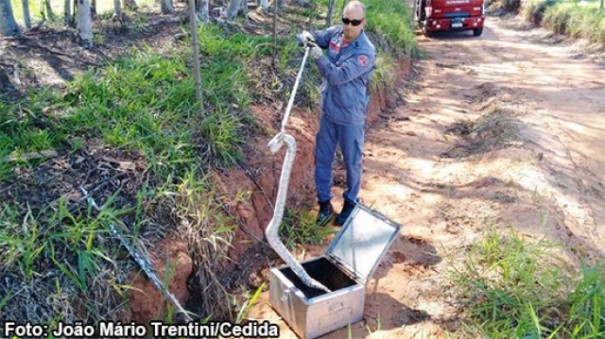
<point>498,131</point>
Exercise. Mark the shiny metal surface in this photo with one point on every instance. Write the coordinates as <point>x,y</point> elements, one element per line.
<point>349,262</point>
<point>313,317</point>
<point>363,241</point>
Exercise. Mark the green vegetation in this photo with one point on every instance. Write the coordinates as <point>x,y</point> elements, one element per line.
<point>579,19</point>
<point>391,27</point>
<point>145,101</point>
<point>58,252</point>
<point>299,228</point>
<point>248,303</point>
<point>512,287</point>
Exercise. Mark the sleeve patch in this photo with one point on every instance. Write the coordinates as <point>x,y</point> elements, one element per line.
<point>362,60</point>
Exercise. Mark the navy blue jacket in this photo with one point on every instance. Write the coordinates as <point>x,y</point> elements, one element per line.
<point>347,72</point>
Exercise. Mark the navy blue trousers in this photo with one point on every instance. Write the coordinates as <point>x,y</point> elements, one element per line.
<point>350,139</point>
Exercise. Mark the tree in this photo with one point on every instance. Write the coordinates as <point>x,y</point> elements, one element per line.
<point>331,5</point>
<point>117,9</point>
<point>167,6</point>
<point>67,20</point>
<point>202,10</point>
<point>8,25</point>
<point>26,17</point>
<point>49,10</point>
<point>85,22</point>
<point>129,4</point>
<point>196,55</point>
<point>235,7</point>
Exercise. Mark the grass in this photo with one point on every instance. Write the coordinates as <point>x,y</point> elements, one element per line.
<point>510,286</point>
<point>145,101</point>
<point>209,237</point>
<point>249,302</point>
<point>19,240</point>
<point>299,228</point>
<point>392,27</point>
<point>577,19</point>
<point>52,241</point>
<point>383,76</point>
<point>62,259</point>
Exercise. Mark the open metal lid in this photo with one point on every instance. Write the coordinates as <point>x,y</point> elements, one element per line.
<point>362,241</point>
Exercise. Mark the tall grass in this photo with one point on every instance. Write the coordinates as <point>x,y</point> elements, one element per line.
<point>515,288</point>
<point>576,19</point>
<point>392,26</point>
<point>143,101</point>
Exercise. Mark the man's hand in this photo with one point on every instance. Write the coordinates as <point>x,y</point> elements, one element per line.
<point>316,51</point>
<point>306,37</point>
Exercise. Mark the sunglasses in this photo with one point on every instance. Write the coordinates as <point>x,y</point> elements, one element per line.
<point>347,21</point>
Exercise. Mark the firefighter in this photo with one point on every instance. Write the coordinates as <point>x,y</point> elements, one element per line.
<point>346,70</point>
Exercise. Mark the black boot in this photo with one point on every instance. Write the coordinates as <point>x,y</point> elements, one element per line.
<point>326,213</point>
<point>347,208</point>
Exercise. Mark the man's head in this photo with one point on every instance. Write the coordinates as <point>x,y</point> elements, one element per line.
<point>353,19</point>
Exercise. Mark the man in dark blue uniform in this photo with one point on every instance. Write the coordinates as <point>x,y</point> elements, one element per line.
<point>346,69</point>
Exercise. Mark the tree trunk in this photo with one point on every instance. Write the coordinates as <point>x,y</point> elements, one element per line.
<point>49,10</point>
<point>8,25</point>
<point>274,54</point>
<point>311,16</point>
<point>67,12</point>
<point>167,6</point>
<point>129,4</point>
<point>331,5</point>
<point>202,11</point>
<point>93,7</point>
<point>235,6</point>
<point>117,9</point>
<point>196,56</point>
<point>26,17</point>
<point>85,22</point>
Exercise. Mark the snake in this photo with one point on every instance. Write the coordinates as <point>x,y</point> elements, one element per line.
<point>271,232</point>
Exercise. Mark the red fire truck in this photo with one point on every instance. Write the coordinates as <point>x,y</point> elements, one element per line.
<point>449,15</point>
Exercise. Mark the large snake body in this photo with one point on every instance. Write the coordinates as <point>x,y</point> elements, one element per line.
<point>272,228</point>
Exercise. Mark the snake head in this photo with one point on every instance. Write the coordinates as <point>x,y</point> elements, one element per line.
<point>276,143</point>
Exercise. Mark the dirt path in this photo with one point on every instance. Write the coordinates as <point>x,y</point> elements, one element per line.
<point>533,161</point>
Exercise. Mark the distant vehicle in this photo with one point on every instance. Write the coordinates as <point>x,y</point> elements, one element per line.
<point>450,15</point>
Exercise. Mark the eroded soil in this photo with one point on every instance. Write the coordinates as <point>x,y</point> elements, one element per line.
<point>505,130</point>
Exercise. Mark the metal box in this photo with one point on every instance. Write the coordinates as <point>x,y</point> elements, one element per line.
<point>345,268</point>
